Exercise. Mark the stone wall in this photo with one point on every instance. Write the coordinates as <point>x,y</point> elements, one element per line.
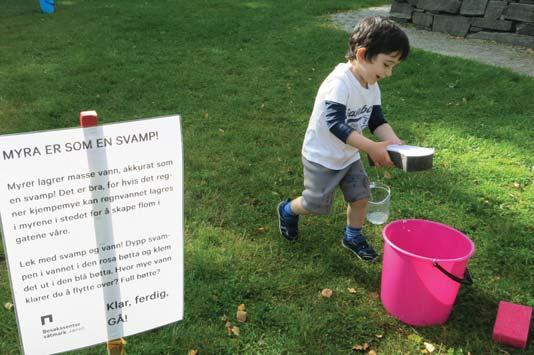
<point>501,21</point>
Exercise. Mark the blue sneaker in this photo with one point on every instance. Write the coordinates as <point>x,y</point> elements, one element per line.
<point>360,248</point>
<point>288,226</point>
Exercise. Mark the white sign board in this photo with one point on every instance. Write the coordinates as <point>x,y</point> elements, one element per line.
<point>92,220</point>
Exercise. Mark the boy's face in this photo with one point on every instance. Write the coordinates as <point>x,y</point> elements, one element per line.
<point>380,67</point>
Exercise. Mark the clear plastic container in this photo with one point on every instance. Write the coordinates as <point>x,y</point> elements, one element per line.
<point>379,201</point>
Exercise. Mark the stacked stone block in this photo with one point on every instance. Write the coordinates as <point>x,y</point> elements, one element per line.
<point>497,20</point>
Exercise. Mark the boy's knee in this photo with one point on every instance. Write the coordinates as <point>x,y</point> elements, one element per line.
<point>358,204</point>
<point>317,208</point>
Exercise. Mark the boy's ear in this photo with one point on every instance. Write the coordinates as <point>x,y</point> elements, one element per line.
<point>360,53</point>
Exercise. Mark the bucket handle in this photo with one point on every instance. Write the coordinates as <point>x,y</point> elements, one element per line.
<point>467,280</point>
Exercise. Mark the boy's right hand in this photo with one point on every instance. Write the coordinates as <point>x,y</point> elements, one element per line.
<point>379,154</point>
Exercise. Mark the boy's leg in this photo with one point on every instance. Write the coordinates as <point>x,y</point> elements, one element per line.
<point>297,207</point>
<point>317,198</point>
<point>355,187</point>
<point>288,218</point>
<point>353,239</point>
<point>356,213</point>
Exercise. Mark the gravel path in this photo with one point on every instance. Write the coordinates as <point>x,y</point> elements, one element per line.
<point>518,59</point>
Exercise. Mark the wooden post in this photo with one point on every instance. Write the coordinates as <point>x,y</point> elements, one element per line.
<point>90,119</point>
<point>116,347</point>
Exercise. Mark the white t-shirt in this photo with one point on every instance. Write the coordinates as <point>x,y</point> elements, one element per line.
<point>320,145</point>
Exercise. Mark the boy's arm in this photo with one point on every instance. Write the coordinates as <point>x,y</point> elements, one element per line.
<point>376,150</point>
<point>385,132</point>
<point>335,120</point>
<point>380,127</point>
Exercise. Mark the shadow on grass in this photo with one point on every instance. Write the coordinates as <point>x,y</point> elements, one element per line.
<point>471,323</point>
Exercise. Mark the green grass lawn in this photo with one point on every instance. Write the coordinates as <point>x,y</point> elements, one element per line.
<point>243,75</point>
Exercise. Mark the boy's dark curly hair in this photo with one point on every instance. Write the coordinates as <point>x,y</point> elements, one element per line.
<point>378,35</point>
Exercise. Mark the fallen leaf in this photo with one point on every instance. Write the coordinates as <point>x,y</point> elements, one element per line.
<point>8,306</point>
<point>221,130</point>
<point>241,316</point>
<point>206,115</point>
<point>429,347</point>
<point>360,347</point>
<point>229,327</point>
<point>371,352</point>
<point>235,331</point>
<point>352,290</point>
<point>387,175</point>
<point>424,351</point>
<point>242,307</point>
<point>517,185</point>
<point>192,352</point>
<point>379,336</point>
<point>224,318</point>
<point>261,230</point>
<point>327,293</point>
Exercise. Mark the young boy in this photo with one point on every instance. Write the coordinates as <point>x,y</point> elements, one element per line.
<point>348,101</point>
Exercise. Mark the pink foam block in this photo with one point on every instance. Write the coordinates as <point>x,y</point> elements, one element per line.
<point>512,324</point>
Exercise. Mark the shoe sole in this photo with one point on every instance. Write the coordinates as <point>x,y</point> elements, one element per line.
<point>373,260</point>
<point>280,225</point>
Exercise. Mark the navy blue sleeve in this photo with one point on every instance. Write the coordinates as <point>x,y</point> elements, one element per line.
<point>377,118</point>
<point>336,114</point>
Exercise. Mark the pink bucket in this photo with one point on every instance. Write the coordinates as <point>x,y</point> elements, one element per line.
<point>423,265</point>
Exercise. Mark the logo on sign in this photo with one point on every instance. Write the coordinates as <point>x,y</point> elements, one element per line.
<point>44,318</point>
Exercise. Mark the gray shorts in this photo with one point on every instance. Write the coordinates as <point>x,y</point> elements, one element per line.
<point>320,183</point>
